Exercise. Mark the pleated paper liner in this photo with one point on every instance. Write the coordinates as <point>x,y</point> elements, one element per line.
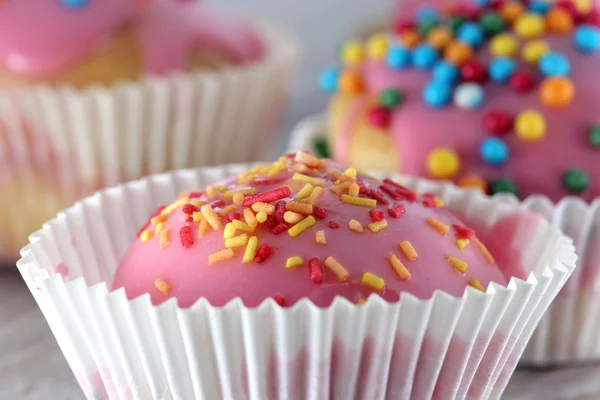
<point>69,142</point>
<point>445,347</point>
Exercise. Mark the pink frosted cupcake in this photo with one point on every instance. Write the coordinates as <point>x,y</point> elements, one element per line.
<point>103,91</point>
<point>250,287</point>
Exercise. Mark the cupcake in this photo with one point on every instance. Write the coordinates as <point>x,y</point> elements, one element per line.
<point>106,91</point>
<point>500,99</point>
<point>293,279</point>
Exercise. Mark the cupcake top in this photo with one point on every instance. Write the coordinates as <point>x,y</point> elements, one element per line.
<point>304,228</point>
<point>38,38</point>
<point>499,95</point>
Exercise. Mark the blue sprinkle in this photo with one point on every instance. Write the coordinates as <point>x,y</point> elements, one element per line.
<point>494,151</point>
<point>437,94</point>
<point>587,38</point>
<point>425,14</point>
<point>539,7</point>
<point>445,72</point>
<point>501,69</point>
<point>469,96</point>
<point>471,33</point>
<point>75,3</point>
<point>424,56</point>
<point>482,3</point>
<point>398,57</point>
<point>555,64</point>
<point>328,81</point>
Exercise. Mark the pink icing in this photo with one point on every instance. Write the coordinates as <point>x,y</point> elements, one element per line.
<point>38,38</point>
<point>188,272</point>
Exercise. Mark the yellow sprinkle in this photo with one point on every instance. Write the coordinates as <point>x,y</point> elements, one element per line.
<point>163,240</point>
<point>221,188</point>
<point>277,169</point>
<point>204,227</point>
<point>529,25</point>
<point>337,268</point>
<point>292,217</point>
<point>462,243</point>
<point>503,45</point>
<point>250,218</point>
<point>212,217</point>
<point>438,226</point>
<point>304,192</point>
<point>261,216</point>
<point>486,253</point>
<point>219,256</point>
<point>315,195</point>
<point>251,249</point>
<point>320,237</point>
<point>340,188</point>
<point>245,178</point>
<point>355,226</point>
<point>230,194</point>
<point>196,202</point>
<point>377,226</point>
<point>159,227</point>
<point>439,202</point>
<point>398,267</point>
<point>458,264</point>
<point>353,189</point>
<point>229,231</point>
<point>475,283</point>
<point>359,201</point>
<point>225,211</point>
<point>360,302</point>
<point>238,198</point>
<point>237,241</point>
<point>293,262</point>
<point>350,173</point>
<point>534,50</point>
<point>266,208</point>
<point>309,179</point>
<point>301,208</point>
<point>443,163</point>
<point>377,46</point>
<point>197,216</point>
<point>181,202</point>
<point>352,53</point>
<point>146,236</point>
<point>241,226</point>
<point>306,158</point>
<point>158,219</point>
<point>372,281</point>
<point>301,226</point>
<point>408,250</point>
<point>162,286</point>
<point>211,192</point>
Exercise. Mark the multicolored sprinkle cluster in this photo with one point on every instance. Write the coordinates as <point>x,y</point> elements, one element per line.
<point>467,49</point>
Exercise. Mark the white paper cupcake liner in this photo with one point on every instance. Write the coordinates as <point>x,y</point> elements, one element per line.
<point>445,347</point>
<point>568,333</point>
<point>96,137</point>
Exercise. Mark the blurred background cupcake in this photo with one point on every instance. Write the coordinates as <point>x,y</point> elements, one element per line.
<point>94,92</point>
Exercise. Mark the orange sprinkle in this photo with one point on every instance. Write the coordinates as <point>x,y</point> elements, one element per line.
<point>373,281</point>
<point>353,189</point>
<point>377,226</point>
<point>475,283</point>
<point>301,168</point>
<point>408,250</point>
<point>359,201</point>
<point>225,211</point>
<point>304,192</point>
<point>238,198</point>
<point>242,226</point>
<point>219,256</point>
<point>320,237</point>
<point>301,208</point>
<point>230,194</point>
<point>251,249</point>
<point>197,216</point>
<point>360,302</point>
<point>158,219</point>
<point>146,235</point>
<point>309,179</point>
<point>458,264</point>
<point>337,268</point>
<point>162,286</point>
<point>292,217</point>
<point>236,241</point>
<point>410,38</point>
<point>341,188</point>
<point>250,218</point>
<point>163,240</point>
<point>398,267</point>
<point>355,226</point>
<point>307,158</point>
<point>301,226</point>
<point>457,52</point>
<point>264,207</point>
<point>473,182</point>
<point>212,217</point>
<point>315,195</point>
<point>211,192</point>
<point>438,226</point>
<point>462,243</point>
<point>203,228</point>
<point>486,253</point>
<point>159,227</point>
<point>350,82</point>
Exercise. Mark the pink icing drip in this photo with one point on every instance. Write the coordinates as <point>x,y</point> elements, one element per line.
<point>39,38</point>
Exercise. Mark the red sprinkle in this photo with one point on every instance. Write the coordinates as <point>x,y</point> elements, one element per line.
<point>463,232</point>
<point>522,81</point>
<point>380,117</point>
<point>473,71</point>
<point>218,204</point>
<point>189,219</point>
<point>403,26</point>
<point>570,7</point>
<point>263,253</point>
<point>190,209</point>
<point>467,11</point>
<point>270,222</point>
<point>374,194</point>
<point>315,270</point>
<point>429,200</point>
<point>593,18</point>
<point>280,300</point>
<point>265,182</point>
<point>279,211</point>
<point>390,191</point>
<point>497,122</point>
<point>320,212</point>
<point>397,210</point>
<point>279,228</point>
<point>187,239</point>
<point>333,225</point>
<point>195,195</point>
<point>408,194</point>
<point>268,197</point>
<point>376,215</point>
<point>234,215</point>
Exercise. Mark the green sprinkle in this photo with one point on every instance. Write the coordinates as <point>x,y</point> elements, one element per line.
<point>576,180</point>
<point>492,24</point>
<point>594,136</point>
<point>455,23</point>
<point>322,148</point>
<point>427,26</point>
<point>503,185</point>
<point>391,98</point>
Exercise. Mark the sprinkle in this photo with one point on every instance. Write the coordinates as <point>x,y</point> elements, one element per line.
<point>279,228</point>
<point>390,191</point>
<point>197,217</point>
<point>211,192</point>
<point>309,179</point>
<point>475,283</point>
<point>237,241</point>
<point>398,267</point>
<point>159,227</point>
<point>162,286</point>
<point>315,270</point>
<point>230,194</point>
<point>263,253</point>
<point>264,207</point>
<point>360,302</point>
<point>280,300</point>
<point>212,218</point>
<point>158,219</point>
<point>146,235</point>
<point>486,253</point>
<point>234,216</point>
<point>185,234</point>
<point>189,209</point>
<point>409,195</point>
<point>261,216</point>
<point>268,197</point>
<point>238,198</point>
<point>355,226</point>
<point>408,250</point>
<point>245,178</point>
<point>169,209</point>
<point>163,240</point>
<point>301,226</point>
<point>372,281</point>
<point>373,194</point>
<point>376,215</point>
<point>340,188</point>
<point>195,195</point>
<point>377,226</point>
<point>301,208</point>
<point>229,231</point>
<point>265,182</point>
<point>315,195</point>
<point>359,201</point>
<point>463,232</point>
<point>353,189</point>
<point>397,210</point>
<point>438,226</point>
<point>443,163</point>
<point>337,268</point>
<point>557,92</point>
<point>227,210</point>
<point>293,262</point>
<point>279,211</point>
<point>458,264</point>
<point>219,256</point>
<point>320,238</point>
<point>250,218</point>
<point>350,173</point>
<point>462,243</point>
<point>333,225</point>
<point>251,249</point>
<point>304,192</point>
<point>320,212</point>
<point>292,217</point>
<point>220,188</point>
<point>203,228</point>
